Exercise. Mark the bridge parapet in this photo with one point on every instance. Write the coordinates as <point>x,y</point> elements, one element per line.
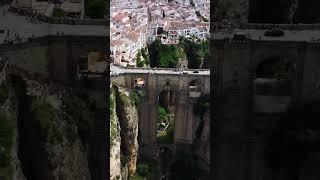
<point>281,26</point>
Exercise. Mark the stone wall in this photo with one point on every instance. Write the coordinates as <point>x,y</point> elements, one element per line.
<point>154,84</point>
<point>52,56</point>
<point>238,147</point>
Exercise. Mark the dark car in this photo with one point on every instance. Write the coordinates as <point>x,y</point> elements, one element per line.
<point>240,36</point>
<point>195,71</point>
<point>275,32</point>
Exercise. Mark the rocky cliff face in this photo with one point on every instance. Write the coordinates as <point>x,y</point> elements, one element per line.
<point>123,111</point>
<point>67,156</point>
<point>203,142</point>
<point>9,108</point>
<point>115,139</point>
<point>41,130</point>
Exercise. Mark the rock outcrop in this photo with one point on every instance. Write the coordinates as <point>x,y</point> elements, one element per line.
<point>41,130</point>
<point>115,139</point>
<point>124,132</point>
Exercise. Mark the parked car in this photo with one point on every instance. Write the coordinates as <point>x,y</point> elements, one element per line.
<point>275,32</point>
<point>195,71</point>
<point>240,35</point>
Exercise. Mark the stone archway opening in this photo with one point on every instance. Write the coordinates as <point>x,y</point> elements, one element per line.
<point>165,117</point>
<point>195,88</point>
<point>165,127</point>
<point>138,85</point>
<point>273,85</point>
<point>92,61</point>
<point>138,82</point>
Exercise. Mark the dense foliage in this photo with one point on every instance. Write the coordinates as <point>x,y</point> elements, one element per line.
<point>43,113</point>
<point>113,123</point>
<point>95,9</point>
<point>185,167</point>
<point>165,126</point>
<point>142,62</point>
<point>145,169</point>
<point>225,10</point>
<point>196,52</point>
<point>162,55</point>
<point>6,140</point>
<point>58,12</point>
<point>134,97</point>
<point>79,113</point>
<point>4,92</point>
<point>201,106</point>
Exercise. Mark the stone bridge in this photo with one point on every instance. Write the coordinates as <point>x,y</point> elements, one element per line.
<point>186,87</point>
<point>54,57</point>
<point>248,102</point>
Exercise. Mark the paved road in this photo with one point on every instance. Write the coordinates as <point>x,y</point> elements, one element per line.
<point>25,28</point>
<point>117,70</point>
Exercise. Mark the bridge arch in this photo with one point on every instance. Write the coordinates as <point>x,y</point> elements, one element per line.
<point>264,54</point>
<point>195,88</point>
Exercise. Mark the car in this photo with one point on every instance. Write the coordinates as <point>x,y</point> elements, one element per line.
<point>184,72</point>
<point>274,32</point>
<point>195,72</point>
<point>240,36</point>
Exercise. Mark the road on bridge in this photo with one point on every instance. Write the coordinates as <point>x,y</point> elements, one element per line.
<point>22,26</point>
<point>117,70</point>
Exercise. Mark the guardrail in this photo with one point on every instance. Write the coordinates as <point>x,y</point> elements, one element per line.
<point>75,21</point>
<point>281,26</point>
<point>169,69</point>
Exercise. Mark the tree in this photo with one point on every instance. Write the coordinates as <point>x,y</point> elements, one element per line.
<point>95,9</point>
<point>140,63</point>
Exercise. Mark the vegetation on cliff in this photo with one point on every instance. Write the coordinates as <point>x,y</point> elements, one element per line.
<point>142,58</point>
<point>166,56</point>
<point>95,9</point>
<point>200,107</point>
<point>7,133</point>
<point>185,166</point>
<point>58,12</point>
<point>80,112</point>
<point>196,52</point>
<point>224,10</point>
<point>124,125</point>
<point>4,92</point>
<point>113,119</point>
<point>165,126</point>
<point>146,169</point>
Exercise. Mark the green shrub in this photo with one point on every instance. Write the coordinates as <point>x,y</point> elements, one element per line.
<point>163,55</point>
<point>6,139</point>
<point>4,92</point>
<point>134,97</point>
<point>143,169</point>
<point>79,114</point>
<point>43,113</point>
<point>95,9</point>
<point>136,177</point>
<point>57,12</point>
<point>185,166</point>
<point>124,159</point>
<point>162,112</point>
<point>201,106</point>
<point>166,137</point>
